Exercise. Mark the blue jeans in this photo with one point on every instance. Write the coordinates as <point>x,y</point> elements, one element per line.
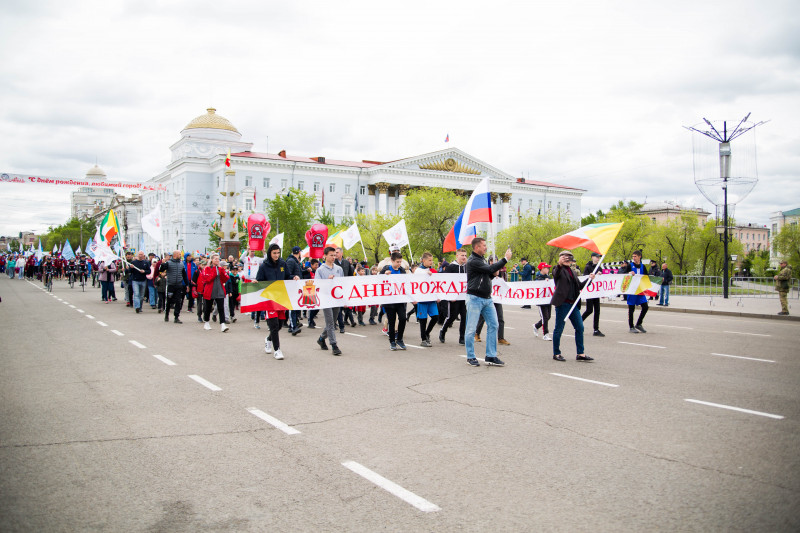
<point>577,323</point>
<point>151,292</point>
<point>663,295</point>
<point>477,307</point>
<point>138,293</point>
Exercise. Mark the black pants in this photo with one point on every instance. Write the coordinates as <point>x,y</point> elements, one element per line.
<point>631,309</point>
<point>345,316</point>
<point>456,309</point>
<point>396,312</point>
<point>129,291</point>
<point>162,301</point>
<point>232,305</point>
<point>443,310</point>
<point>501,324</point>
<point>189,299</point>
<point>544,314</point>
<point>312,315</point>
<point>593,306</point>
<point>208,305</point>
<point>174,299</point>
<point>274,325</point>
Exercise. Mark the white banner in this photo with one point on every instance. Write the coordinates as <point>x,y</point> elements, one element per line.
<point>41,180</point>
<point>397,234</point>
<point>151,223</point>
<point>277,239</point>
<point>351,236</point>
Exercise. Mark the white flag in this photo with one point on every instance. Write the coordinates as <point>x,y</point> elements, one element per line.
<point>151,223</point>
<point>277,239</point>
<point>103,253</point>
<point>397,234</point>
<point>351,236</point>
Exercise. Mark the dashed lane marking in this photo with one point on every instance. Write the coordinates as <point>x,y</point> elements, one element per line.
<point>90,317</point>
<point>745,333</point>
<point>204,383</point>
<point>731,408</point>
<point>583,379</point>
<point>72,306</point>
<point>164,360</point>
<point>117,333</point>
<point>393,488</point>
<point>742,357</point>
<point>272,421</point>
<point>102,324</point>
<point>354,334</point>
<point>645,345</point>
<point>80,310</point>
<point>138,344</point>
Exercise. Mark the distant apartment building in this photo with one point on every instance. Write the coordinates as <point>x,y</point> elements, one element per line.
<point>663,212</point>
<point>777,221</point>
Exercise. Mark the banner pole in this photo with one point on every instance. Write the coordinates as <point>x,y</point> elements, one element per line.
<point>363,250</point>
<point>410,252</point>
<point>584,288</point>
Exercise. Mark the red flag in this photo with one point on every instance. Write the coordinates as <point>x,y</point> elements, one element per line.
<point>228,159</point>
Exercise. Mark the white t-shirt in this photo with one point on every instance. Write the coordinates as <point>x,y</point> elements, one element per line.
<point>250,268</point>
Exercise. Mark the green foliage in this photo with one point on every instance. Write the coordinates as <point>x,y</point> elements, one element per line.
<point>787,243</point>
<point>13,245</point>
<point>371,228</point>
<point>326,217</point>
<point>292,215</point>
<point>430,215</point>
<point>529,239</point>
<point>69,230</point>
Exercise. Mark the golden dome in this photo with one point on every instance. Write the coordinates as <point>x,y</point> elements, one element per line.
<point>96,172</point>
<point>211,120</point>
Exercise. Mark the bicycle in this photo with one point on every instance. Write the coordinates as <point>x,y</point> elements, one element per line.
<point>48,282</point>
<point>83,282</point>
<point>71,280</point>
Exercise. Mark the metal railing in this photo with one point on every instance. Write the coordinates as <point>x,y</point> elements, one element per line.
<point>738,288</point>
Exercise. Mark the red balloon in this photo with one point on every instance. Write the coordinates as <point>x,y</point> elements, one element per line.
<point>316,238</point>
<point>257,230</point>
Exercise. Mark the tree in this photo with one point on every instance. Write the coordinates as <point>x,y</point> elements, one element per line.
<point>675,240</point>
<point>529,239</point>
<point>430,215</point>
<point>371,228</point>
<point>291,215</point>
<point>787,243</point>
<point>633,235</point>
<point>326,217</point>
<point>73,230</point>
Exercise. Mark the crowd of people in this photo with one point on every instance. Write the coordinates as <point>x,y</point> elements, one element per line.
<point>210,286</point>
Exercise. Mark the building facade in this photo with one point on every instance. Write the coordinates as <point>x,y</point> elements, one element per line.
<point>88,201</point>
<point>753,237</point>
<point>195,178</point>
<point>777,221</point>
<point>662,212</point>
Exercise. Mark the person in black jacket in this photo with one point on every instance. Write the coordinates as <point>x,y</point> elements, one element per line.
<point>345,313</point>
<point>663,291</point>
<point>273,268</point>
<point>593,304</point>
<point>294,269</point>
<point>176,285</point>
<point>567,292</point>
<point>479,302</point>
<point>456,308</point>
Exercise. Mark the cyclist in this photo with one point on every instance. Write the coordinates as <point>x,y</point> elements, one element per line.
<point>71,271</point>
<point>83,270</point>
<point>48,270</point>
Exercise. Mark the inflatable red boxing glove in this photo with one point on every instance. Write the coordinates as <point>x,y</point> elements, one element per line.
<point>316,238</point>
<point>257,230</point>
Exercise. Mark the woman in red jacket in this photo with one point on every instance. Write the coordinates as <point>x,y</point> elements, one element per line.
<point>212,284</point>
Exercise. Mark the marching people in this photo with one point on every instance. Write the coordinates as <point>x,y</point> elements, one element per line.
<point>427,309</point>
<point>329,270</point>
<point>501,323</point>
<point>593,304</point>
<point>176,285</point>
<point>395,312</point>
<point>191,267</point>
<point>782,285</point>
<point>526,274</point>
<point>106,276</point>
<point>567,291</point>
<point>161,289</point>
<point>663,290</point>
<point>456,308</point>
<point>635,267</point>
<point>212,284</point>
<point>273,268</point>
<point>199,264</point>
<point>233,289</point>
<point>294,269</point>
<point>345,313</point>
<point>479,302</point>
<point>543,274</point>
<point>137,277</point>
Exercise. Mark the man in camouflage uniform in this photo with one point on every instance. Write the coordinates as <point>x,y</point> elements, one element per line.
<point>782,282</point>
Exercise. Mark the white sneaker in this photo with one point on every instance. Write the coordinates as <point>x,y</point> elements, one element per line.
<point>278,354</point>
<point>267,346</point>
<point>547,337</point>
<point>535,331</point>
<point>224,327</point>
<point>207,326</point>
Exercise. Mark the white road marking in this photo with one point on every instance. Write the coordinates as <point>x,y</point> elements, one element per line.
<point>586,380</point>
<point>415,346</point>
<point>741,357</point>
<point>117,333</point>
<point>645,345</point>
<point>138,344</point>
<point>72,306</point>
<point>618,321</point>
<point>354,334</point>
<point>478,358</point>
<point>666,326</point>
<point>745,333</point>
<point>748,411</point>
<point>80,310</point>
<point>509,327</point>
<point>272,421</point>
<point>102,323</point>
<point>164,360</point>
<point>90,317</point>
<point>390,486</point>
<point>204,383</point>
<point>57,298</point>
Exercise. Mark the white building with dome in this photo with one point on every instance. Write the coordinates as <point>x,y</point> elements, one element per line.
<point>195,177</point>
<point>87,201</point>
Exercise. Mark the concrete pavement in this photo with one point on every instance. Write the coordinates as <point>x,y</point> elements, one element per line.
<point>99,434</point>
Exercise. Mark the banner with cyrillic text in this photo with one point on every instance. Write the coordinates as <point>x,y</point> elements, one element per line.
<point>72,182</point>
<point>410,288</point>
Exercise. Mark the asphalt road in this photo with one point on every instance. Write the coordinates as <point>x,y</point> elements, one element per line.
<point>103,429</point>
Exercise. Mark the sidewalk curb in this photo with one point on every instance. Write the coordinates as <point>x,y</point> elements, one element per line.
<point>789,318</point>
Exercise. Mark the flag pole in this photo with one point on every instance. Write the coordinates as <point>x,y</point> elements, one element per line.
<point>363,250</point>
<point>597,266</point>
<point>410,252</point>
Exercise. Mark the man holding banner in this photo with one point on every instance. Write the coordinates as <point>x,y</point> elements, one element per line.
<point>566,293</point>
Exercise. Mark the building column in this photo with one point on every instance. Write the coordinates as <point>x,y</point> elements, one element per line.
<point>506,198</point>
<point>383,197</point>
<point>403,190</point>
<point>370,200</point>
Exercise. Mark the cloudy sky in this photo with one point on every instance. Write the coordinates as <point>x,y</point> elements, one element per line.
<point>589,94</point>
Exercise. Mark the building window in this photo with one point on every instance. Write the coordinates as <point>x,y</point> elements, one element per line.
<point>332,187</point>
<point>361,209</point>
<point>217,182</point>
<point>567,206</point>
<point>266,183</point>
<point>530,204</point>
<point>558,206</point>
<point>347,189</point>
<point>363,189</point>
<point>248,204</point>
<point>284,183</point>
<point>549,205</point>
<point>248,181</point>
<point>347,210</point>
<point>316,186</point>
<point>300,185</point>
<point>332,210</point>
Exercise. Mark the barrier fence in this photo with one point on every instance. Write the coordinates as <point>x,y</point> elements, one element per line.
<point>739,287</point>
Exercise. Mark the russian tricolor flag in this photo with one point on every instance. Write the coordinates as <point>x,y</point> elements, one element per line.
<point>478,209</point>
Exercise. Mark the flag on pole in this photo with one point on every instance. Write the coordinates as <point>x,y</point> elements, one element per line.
<point>277,239</point>
<point>397,234</point>
<point>151,223</point>
<point>594,237</point>
<point>91,246</point>
<point>39,252</point>
<point>109,228</point>
<point>478,209</point>
<point>78,251</point>
<point>323,198</point>
<point>55,249</point>
<point>447,139</point>
<point>228,159</point>
<point>351,236</point>
<point>68,253</point>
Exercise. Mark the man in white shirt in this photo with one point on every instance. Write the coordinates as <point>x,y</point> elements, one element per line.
<point>251,264</point>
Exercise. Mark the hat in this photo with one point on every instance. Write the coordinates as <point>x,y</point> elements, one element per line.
<point>394,248</point>
<point>566,252</point>
<point>595,254</point>
<point>542,265</point>
<point>296,250</point>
